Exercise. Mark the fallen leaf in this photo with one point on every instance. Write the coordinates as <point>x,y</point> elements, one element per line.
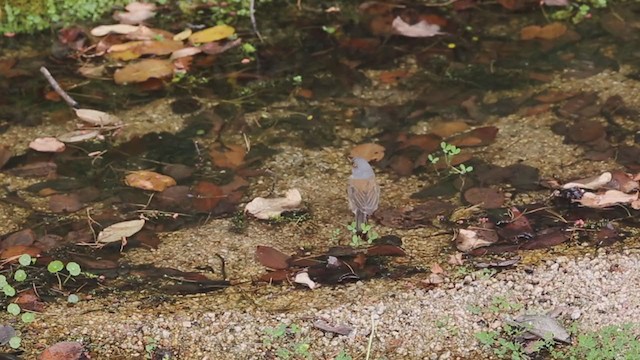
<point>118,231</point>
<point>214,48</point>
<point>591,183</point>
<point>66,350</point>
<point>215,33</point>
<point>272,258</point>
<point>606,199</point>
<point>149,180</point>
<point>368,151</point>
<point>473,238</point>
<point>206,196</point>
<point>304,279</point>
<point>47,144</point>
<point>265,209</point>
<point>338,329</point>
<point>103,30</point>
<point>449,128</point>
<point>136,13</point>
<point>143,70</point>
<point>420,29</point>
<point>65,203</point>
<point>98,118</point>
<point>78,136</point>
<point>183,35</point>
<point>183,52</point>
<point>485,197</point>
<point>230,157</point>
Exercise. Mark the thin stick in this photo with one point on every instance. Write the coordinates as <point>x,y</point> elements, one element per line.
<point>54,84</point>
<point>373,331</point>
<point>252,15</point>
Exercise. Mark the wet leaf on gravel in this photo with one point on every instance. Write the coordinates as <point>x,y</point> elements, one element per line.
<point>449,128</point>
<point>149,180</point>
<point>337,329</point>
<point>482,136</point>
<point>65,203</point>
<point>78,136</point>
<point>368,151</point>
<point>96,117</point>
<point>25,237</point>
<point>475,237</point>
<point>47,144</point>
<point>543,326</point>
<point>263,208</point>
<point>485,197</point>
<point>103,30</point>
<point>607,199</point>
<point>409,217</point>
<point>304,279</point>
<point>419,29</point>
<point>547,32</point>
<point>206,196</point>
<point>230,157</point>
<point>143,70</point>
<point>272,258</point>
<point>118,231</point>
<point>5,154</point>
<point>17,250</point>
<point>584,131</point>
<point>215,33</point>
<point>66,350</point>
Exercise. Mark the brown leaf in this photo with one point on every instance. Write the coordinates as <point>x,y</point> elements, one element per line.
<point>149,180</point>
<point>475,237</point>
<point>207,196</point>
<point>482,136</point>
<point>230,157</point>
<point>487,198</point>
<point>272,258</point>
<point>47,144</point>
<point>24,237</point>
<point>65,203</point>
<point>17,250</point>
<point>143,70</point>
<point>368,151</point>
<point>66,350</point>
<point>449,128</point>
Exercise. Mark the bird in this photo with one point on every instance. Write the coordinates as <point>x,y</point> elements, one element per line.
<point>363,192</point>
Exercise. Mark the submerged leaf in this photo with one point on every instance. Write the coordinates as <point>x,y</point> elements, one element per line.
<point>98,118</point>
<point>215,33</point>
<point>118,231</point>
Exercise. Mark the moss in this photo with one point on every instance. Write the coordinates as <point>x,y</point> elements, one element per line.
<point>25,16</point>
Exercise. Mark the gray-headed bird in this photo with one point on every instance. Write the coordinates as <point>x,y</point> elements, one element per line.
<point>363,191</point>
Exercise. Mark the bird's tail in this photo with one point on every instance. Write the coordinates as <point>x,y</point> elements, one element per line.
<point>361,218</point>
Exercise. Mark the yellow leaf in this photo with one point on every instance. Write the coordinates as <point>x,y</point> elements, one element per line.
<point>215,33</point>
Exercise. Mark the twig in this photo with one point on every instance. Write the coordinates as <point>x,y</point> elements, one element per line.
<point>54,84</point>
<point>252,15</point>
<point>373,330</point>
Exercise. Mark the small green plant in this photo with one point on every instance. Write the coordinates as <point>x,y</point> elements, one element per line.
<point>500,304</point>
<point>366,231</point>
<point>343,355</point>
<point>150,347</point>
<point>609,343</point>
<point>579,10</point>
<point>287,342</point>
<point>449,151</point>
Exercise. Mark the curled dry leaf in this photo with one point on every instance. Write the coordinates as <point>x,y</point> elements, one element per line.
<point>149,180</point>
<point>118,231</point>
<point>98,118</point>
<point>215,33</point>
<point>103,30</point>
<point>420,29</point>
<point>47,144</point>
<point>368,151</point>
<point>78,136</point>
<point>304,279</point>
<point>183,35</point>
<point>543,326</point>
<point>607,199</point>
<point>265,209</point>
<point>184,52</point>
<point>591,183</point>
<point>338,329</point>
<point>473,238</point>
<point>143,70</point>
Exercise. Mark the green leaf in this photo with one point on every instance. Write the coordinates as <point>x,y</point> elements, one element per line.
<point>15,342</point>
<point>73,268</point>
<point>3,281</point>
<point>13,309</point>
<point>73,299</point>
<point>25,259</point>
<point>28,317</point>
<point>55,266</point>
<point>9,290</point>
<point>20,275</point>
